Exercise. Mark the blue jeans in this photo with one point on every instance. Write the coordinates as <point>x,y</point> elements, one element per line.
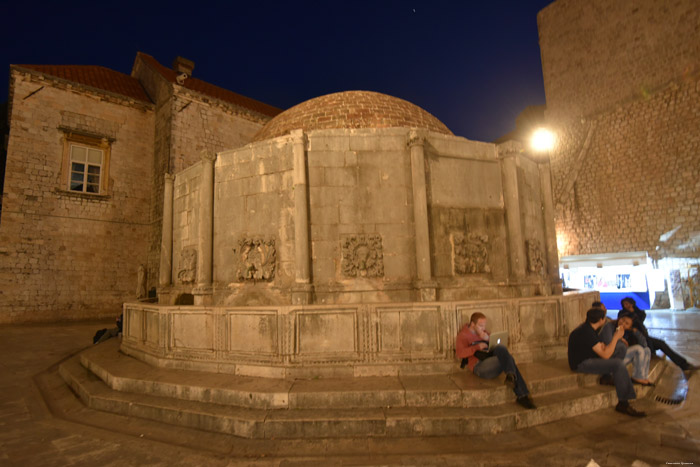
<point>599,366</point>
<point>640,357</point>
<point>502,361</point>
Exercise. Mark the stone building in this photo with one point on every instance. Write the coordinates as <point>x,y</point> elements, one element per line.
<point>622,83</point>
<point>86,154</point>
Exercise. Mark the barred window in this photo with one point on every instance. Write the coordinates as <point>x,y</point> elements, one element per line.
<point>85,169</point>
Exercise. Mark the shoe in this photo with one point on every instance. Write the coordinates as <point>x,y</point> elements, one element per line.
<point>607,380</point>
<point>629,410</point>
<point>641,383</point>
<point>510,380</point>
<point>526,402</point>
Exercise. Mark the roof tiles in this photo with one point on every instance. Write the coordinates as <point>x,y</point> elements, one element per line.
<point>97,77</point>
<point>211,90</point>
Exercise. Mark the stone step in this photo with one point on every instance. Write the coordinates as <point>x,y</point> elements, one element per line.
<point>459,389</point>
<point>333,423</point>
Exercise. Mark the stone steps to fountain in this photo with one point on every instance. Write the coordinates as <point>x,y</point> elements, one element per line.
<point>434,405</point>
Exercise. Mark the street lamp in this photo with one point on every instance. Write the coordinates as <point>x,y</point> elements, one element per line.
<point>542,140</point>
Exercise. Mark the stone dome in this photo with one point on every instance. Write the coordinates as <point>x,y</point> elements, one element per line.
<point>351,109</point>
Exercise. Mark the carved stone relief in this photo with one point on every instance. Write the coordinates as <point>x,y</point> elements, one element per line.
<point>256,259</point>
<point>188,266</point>
<point>363,255</point>
<point>535,259</point>
<point>470,253</point>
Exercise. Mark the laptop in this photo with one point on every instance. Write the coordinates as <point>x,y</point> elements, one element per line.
<point>498,338</point>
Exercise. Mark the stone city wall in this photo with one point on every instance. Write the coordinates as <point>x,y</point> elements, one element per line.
<point>342,340</point>
<point>67,255</point>
<point>598,53</point>
<point>623,94</point>
<point>625,178</point>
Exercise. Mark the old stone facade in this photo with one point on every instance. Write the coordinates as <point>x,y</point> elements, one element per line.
<point>71,254</point>
<point>358,197</point>
<point>622,82</point>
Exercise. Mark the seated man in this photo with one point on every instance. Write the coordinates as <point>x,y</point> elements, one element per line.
<point>472,346</point>
<point>628,304</point>
<point>587,354</point>
<point>639,355</point>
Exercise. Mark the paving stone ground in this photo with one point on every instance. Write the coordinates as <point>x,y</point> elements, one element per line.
<point>59,431</point>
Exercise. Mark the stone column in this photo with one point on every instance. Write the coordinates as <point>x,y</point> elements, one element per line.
<point>301,292</point>
<point>166,238</point>
<point>550,233</point>
<point>509,153</point>
<point>206,228</point>
<point>416,143</point>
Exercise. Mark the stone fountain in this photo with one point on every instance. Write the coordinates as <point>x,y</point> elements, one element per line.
<point>353,237</point>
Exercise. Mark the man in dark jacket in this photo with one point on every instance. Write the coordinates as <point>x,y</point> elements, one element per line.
<point>628,304</point>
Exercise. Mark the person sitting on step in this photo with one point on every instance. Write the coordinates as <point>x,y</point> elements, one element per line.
<point>588,354</point>
<point>639,355</point>
<point>630,348</point>
<point>628,304</point>
<point>472,346</point>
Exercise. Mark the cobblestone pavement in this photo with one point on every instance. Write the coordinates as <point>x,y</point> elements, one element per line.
<point>32,435</point>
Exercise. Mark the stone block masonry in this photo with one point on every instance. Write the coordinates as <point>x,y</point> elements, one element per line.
<point>66,255</point>
<point>623,94</point>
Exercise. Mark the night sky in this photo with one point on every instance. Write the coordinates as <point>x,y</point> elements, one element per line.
<point>475,65</point>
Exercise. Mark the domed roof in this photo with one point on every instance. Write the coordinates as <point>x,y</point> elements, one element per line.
<point>351,109</point>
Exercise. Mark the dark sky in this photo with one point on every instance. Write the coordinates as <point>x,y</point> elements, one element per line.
<point>473,64</point>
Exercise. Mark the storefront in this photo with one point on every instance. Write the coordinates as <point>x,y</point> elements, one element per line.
<point>615,276</point>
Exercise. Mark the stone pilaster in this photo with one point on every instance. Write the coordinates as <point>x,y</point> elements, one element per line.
<point>301,292</point>
<point>206,228</point>
<point>550,233</point>
<point>166,242</point>
<point>509,152</point>
<point>416,143</point>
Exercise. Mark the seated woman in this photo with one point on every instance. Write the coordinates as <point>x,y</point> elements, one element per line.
<point>638,354</point>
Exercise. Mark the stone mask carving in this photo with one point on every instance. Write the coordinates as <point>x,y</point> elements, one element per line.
<point>363,255</point>
<point>188,266</point>
<point>470,253</point>
<point>256,259</point>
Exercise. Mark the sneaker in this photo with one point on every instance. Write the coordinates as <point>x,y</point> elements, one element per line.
<point>607,380</point>
<point>689,369</point>
<point>526,402</point>
<point>629,410</point>
<point>510,380</point>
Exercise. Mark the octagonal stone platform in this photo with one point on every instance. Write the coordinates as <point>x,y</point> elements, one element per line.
<point>455,403</point>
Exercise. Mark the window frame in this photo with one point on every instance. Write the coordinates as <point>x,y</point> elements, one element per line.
<point>87,141</point>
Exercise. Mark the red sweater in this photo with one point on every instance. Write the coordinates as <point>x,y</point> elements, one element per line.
<point>467,345</point>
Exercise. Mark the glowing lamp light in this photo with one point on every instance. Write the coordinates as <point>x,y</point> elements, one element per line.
<point>542,140</point>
